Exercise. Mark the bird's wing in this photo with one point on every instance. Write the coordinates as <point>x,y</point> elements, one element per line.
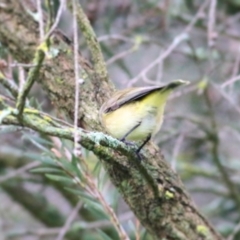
<point>123,97</point>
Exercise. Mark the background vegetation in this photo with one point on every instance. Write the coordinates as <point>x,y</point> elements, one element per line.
<point>144,43</point>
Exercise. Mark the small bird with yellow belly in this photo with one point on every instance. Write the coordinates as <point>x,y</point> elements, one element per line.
<point>135,114</point>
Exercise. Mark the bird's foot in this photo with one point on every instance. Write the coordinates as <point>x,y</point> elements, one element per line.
<point>132,144</point>
<point>139,155</point>
<point>127,142</point>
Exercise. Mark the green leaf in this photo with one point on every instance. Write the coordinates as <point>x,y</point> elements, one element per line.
<point>103,235</point>
<point>81,194</point>
<point>98,169</point>
<point>77,167</point>
<point>95,208</point>
<point>47,170</point>
<point>34,103</point>
<point>67,165</point>
<point>76,226</point>
<point>36,141</point>
<point>47,160</point>
<point>145,234</point>
<point>91,203</point>
<point>115,196</point>
<point>202,85</point>
<point>62,179</point>
<point>8,129</point>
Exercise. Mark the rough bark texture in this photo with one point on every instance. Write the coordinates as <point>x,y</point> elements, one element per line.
<point>152,190</point>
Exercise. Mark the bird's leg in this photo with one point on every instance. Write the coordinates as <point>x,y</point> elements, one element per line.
<point>141,146</point>
<point>123,139</point>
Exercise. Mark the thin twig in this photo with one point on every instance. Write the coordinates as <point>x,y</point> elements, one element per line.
<point>198,15</point>
<point>236,230</point>
<point>230,100</point>
<point>21,78</point>
<point>211,190</point>
<point>54,231</point>
<point>164,55</point>
<point>18,172</point>
<point>137,230</point>
<point>24,65</point>
<point>113,218</point>
<point>65,123</point>
<point>122,54</point>
<point>235,69</point>
<point>236,64</point>
<point>176,41</point>
<point>93,45</point>
<point>91,187</point>
<point>159,72</point>
<point>215,153</point>
<point>211,23</point>
<point>77,149</point>
<point>9,85</point>
<point>40,19</point>
<point>114,36</point>
<point>8,129</point>
<point>56,22</point>
<point>231,80</point>
<point>32,75</point>
<point>176,150</point>
<point>69,221</point>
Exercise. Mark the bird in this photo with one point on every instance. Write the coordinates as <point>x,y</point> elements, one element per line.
<point>136,114</point>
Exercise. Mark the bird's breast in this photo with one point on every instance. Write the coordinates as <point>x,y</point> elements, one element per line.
<point>122,120</point>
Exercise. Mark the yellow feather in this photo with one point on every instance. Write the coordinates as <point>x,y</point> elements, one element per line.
<point>141,107</point>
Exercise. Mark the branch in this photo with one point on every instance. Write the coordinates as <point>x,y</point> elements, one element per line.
<point>69,221</point>
<point>233,191</point>
<point>90,140</point>
<point>7,83</point>
<point>32,75</point>
<point>93,45</point>
<point>170,192</point>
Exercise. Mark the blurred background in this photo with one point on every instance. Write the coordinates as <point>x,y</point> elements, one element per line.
<point>144,43</point>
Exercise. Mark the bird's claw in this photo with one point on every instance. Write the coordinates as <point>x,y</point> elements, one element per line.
<point>139,155</point>
<point>127,142</point>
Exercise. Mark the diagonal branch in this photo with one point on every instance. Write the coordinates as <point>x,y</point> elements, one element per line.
<point>22,96</point>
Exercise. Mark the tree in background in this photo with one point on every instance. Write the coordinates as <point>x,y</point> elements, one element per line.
<point>60,177</point>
